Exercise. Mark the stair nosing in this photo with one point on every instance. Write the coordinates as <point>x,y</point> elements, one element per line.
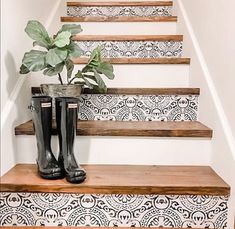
<point>187,129</point>
<point>138,91</point>
<point>124,60</point>
<point>121,3</point>
<point>119,19</point>
<point>128,38</point>
<point>99,182</point>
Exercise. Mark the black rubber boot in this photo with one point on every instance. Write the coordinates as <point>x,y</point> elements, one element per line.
<point>66,120</point>
<point>48,166</point>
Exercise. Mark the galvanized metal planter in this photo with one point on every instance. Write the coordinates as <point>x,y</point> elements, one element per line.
<point>58,90</point>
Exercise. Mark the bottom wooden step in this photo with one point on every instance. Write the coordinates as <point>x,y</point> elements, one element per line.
<point>117,196</point>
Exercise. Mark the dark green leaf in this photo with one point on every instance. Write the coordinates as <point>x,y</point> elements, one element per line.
<point>79,74</point>
<point>72,28</point>
<point>69,66</point>
<point>51,71</point>
<point>24,69</point>
<point>34,60</point>
<point>88,68</point>
<point>98,89</point>
<point>78,82</point>
<point>56,56</point>
<point>37,32</point>
<point>62,39</point>
<point>100,82</point>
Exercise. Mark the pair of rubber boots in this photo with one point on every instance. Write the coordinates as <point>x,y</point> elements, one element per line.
<point>66,121</point>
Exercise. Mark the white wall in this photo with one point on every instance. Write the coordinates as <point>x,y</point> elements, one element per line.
<point>15,89</point>
<point>209,29</point>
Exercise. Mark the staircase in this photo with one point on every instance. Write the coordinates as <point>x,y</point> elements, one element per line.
<point>145,152</point>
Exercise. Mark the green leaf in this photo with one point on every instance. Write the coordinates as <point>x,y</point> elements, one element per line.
<point>106,69</point>
<point>74,50</point>
<point>88,84</point>
<point>24,69</point>
<point>41,44</point>
<point>37,32</point>
<point>98,89</point>
<point>69,66</point>
<point>51,71</point>
<point>87,68</point>
<point>100,82</point>
<point>72,28</point>
<point>95,57</point>
<point>79,74</point>
<point>34,60</point>
<point>62,39</point>
<point>56,56</point>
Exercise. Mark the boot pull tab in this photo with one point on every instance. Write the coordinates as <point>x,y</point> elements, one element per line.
<point>72,105</point>
<point>46,104</point>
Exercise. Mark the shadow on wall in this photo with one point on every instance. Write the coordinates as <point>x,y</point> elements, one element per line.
<point>12,71</point>
<point>19,112</point>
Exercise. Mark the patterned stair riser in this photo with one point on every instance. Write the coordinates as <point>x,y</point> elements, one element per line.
<point>119,11</point>
<point>139,107</point>
<point>55,209</point>
<point>131,49</point>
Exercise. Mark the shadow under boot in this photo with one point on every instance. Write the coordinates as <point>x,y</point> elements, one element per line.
<point>66,120</point>
<point>48,166</point>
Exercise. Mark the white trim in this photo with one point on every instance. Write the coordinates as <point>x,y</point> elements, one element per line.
<point>16,90</point>
<point>222,116</point>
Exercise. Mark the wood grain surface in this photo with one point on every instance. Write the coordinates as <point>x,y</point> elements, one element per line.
<point>125,179</point>
<point>160,60</point>
<point>121,3</point>
<point>119,19</point>
<point>131,128</point>
<point>128,37</point>
<point>138,91</point>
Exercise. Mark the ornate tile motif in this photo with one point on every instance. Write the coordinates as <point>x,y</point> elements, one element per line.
<point>138,49</point>
<point>138,107</point>
<point>54,209</point>
<point>120,11</point>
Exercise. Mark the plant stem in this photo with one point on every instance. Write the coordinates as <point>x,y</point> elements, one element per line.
<point>60,78</point>
<point>69,82</point>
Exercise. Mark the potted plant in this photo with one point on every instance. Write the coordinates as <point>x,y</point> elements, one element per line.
<point>55,58</point>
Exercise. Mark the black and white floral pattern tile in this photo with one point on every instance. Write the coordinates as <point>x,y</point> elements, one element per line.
<point>54,209</point>
<point>138,107</point>
<point>119,11</point>
<point>131,49</point>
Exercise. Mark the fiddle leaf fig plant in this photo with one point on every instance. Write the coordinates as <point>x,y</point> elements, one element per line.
<point>56,54</point>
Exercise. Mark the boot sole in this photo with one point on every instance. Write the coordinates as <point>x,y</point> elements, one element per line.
<point>53,176</point>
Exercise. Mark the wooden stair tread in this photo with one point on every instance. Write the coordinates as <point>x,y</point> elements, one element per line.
<point>139,91</point>
<point>125,179</point>
<point>131,128</point>
<point>121,3</point>
<point>128,38</point>
<point>119,19</point>
<point>160,60</point>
